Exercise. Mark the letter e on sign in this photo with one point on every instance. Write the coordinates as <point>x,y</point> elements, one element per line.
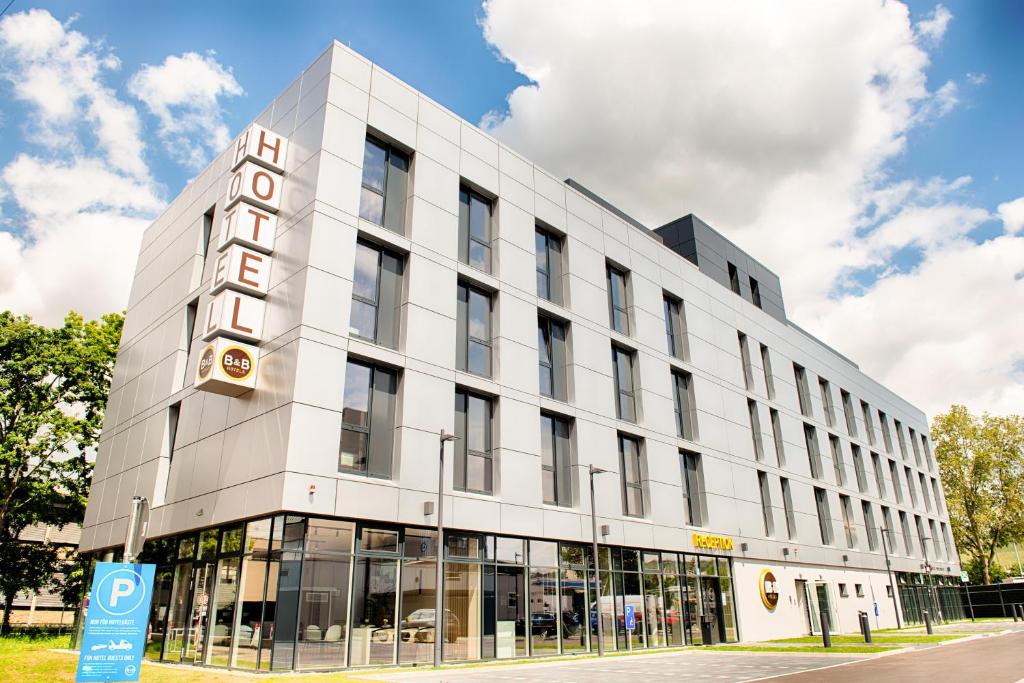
<point>242,270</point>
<point>259,145</point>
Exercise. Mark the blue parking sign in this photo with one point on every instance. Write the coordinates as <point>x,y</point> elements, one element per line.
<point>115,624</point>
<point>630,617</point>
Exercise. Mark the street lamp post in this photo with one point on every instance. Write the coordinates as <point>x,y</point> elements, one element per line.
<point>439,543</point>
<point>597,565</point>
<point>933,592</point>
<point>888,570</point>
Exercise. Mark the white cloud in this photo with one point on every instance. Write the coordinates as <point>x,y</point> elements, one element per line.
<point>778,129</point>
<point>1012,214</point>
<point>184,94</point>
<point>977,78</point>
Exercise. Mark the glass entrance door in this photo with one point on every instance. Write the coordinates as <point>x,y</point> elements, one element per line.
<point>203,576</point>
<point>711,618</point>
<point>817,598</point>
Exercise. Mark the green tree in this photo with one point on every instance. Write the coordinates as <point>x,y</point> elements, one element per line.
<point>982,464</point>
<point>53,389</point>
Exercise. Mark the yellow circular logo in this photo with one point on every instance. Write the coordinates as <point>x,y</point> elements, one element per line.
<point>236,363</point>
<point>769,589</point>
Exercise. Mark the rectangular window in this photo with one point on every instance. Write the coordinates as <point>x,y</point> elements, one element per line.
<point>900,439</point>
<point>837,459</point>
<point>622,368</point>
<point>826,402</point>
<point>858,589</point>
<point>883,420</point>
<point>787,504</point>
<point>474,460</point>
<point>908,473</point>
<point>755,429</point>
<point>552,357</point>
<point>474,331</point>
<point>780,452</point>
<point>851,419</point>
<point>766,504</point>
<point>935,536</point>
<point>368,420</point>
<point>755,293</point>
<point>693,488</point>
<point>813,454</point>
<point>913,443</point>
<point>947,540</point>
<point>376,295</point>
<point>889,532</point>
<point>858,468</point>
<point>928,453</point>
<point>632,486</point>
<point>474,229</point>
<point>924,492</point>
<point>769,378</point>
<point>824,516</point>
<point>843,592</point>
<point>894,476</point>
<point>869,427</point>
<point>549,266</point>
<point>748,368</point>
<point>191,311</point>
<point>685,407</point>
<point>555,466</point>
<point>803,392</point>
<point>734,278</point>
<point>937,494</point>
<point>869,525</point>
<point>921,536</point>
<point>675,328</point>
<point>908,541</point>
<point>173,413</point>
<point>618,305</point>
<point>876,464</point>
<point>385,178</point>
<point>849,526</point>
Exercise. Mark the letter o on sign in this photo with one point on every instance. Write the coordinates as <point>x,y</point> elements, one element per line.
<point>769,589</point>
<point>263,179</point>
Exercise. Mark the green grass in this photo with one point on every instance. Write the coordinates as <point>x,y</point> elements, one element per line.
<point>881,638</point>
<point>836,649</point>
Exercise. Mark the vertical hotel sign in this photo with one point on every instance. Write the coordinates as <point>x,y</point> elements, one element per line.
<point>233,324</point>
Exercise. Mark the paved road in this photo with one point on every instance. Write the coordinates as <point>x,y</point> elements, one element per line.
<point>682,666</point>
<point>992,659</point>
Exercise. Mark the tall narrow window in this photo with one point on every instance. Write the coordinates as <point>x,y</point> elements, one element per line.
<point>787,504</point>
<point>826,402</point>
<point>686,412</point>
<point>549,266</point>
<point>474,461</point>
<point>748,368</point>
<point>851,419</point>
<point>889,532</point>
<point>813,454</point>
<point>693,488</point>
<point>769,378</point>
<point>858,468</point>
<point>780,451</point>
<point>837,459</point>
<point>632,484</point>
<point>900,439</point>
<point>913,443</point>
<point>935,536</point>
<point>803,392</point>
<point>473,342</point>
<point>876,464</point>
<point>869,525</point>
<point>207,232</point>
<point>385,178</point>
<point>551,352</point>
<point>474,229</point>
<point>908,473</point>
<point>376,295</point>
<point>908,540</point>
<point>191,311</point>
<point>618,306</point>
<point>173,413</point>
<point>824,516</point>
<point>924,492</point>
<point>938,495</point>
<point>883,420</point>
<point>894,477</point>
<point>625,399</point>
<point>555,467</point>
<point>755,293</point>
<point>368,420</point>
<point>734,278</point>
<point>755,429</point>
<point>675,327</point>
<point>849,525</point>
<point>928,453</point>
<point>869,426</point>
<point>766,504</point>
<point>947,541</point>
<point>921,538</point>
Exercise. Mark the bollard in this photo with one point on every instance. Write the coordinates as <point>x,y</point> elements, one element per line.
<point>826,637</point>
<point>927,621</point>
<point>866,624</point>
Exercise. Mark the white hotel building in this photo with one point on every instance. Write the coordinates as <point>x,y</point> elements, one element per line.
<point>377,270</point>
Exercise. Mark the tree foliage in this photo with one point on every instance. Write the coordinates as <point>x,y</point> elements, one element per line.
<point>53,390</point>
<point>982,465</point>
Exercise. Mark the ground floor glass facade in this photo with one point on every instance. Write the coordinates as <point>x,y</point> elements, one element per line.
<point>306,594</point>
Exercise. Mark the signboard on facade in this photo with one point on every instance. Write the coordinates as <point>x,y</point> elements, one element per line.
<point>769,589</point>
<point>114,637</point>
<point>712,542</point>
<point>227,367</point>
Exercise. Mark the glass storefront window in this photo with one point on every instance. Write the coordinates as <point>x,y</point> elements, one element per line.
<point>573,614</point>
<point>463,545</point>
<point>707,566</point>
<point>292,532</point>
<point>207,545</point>
<point>163,583</point>
<point>728,610</point>
<point>420,543</point>
<point>691,611</point>
<point>257,537</point>
<point>689,565</point>
<point>630,560</point>
<point>628,585</point>
<point>604,556</point>
<point>674,598</point>
<point>187,548</point>
<point>575,556</point>
<point>607,610</point>
<point>286,609</point>
<point>249,623</point>
<point>231,541</point>
<point>329,536</point>
<point>462,609</point>
<point>652,562</point>
<point>723,566</point>
<point>222,620</point>
<point>654,611</point>
<point>669,563</point>
<point>510,550</point>
<point>323,608</point>
<point>174,639</point>
<point>378,540</point>
<point>417,629</point>
<point>543,554</point>
<point>510,610</point>
<point>374,593</point>
<point>544,611</point>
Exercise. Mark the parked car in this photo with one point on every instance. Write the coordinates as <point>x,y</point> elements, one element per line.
<point>419,626</point>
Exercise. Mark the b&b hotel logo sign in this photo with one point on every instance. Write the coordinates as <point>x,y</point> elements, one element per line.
<point>769,589</point>
<point>233,324</point>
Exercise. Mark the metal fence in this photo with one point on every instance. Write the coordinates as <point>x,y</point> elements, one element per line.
<point>991,601</point>
<point>943,603</point>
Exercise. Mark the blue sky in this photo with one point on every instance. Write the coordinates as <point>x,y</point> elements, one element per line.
<point>867,152</point>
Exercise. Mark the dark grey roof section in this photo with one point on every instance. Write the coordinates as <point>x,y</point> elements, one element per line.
<point>611,207</point>
<point>818,341</point>
<point>712,253</point>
